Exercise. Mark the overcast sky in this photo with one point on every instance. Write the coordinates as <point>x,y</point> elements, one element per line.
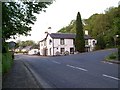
<point>61,12</point>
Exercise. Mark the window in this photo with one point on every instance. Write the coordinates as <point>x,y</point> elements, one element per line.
<point>86,42</point>
<point>62,50</point>
<point>93,42</point>
<point>62,41</point>
<point>50,41</point>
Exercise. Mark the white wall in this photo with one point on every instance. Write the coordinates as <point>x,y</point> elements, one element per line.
<point>49,45</point>
<point>42,46</point>
<point>91,44</point>
<point>68,44</point>
<point>56,46</point>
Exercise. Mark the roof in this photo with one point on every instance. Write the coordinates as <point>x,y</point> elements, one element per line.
<point>66,36</point>
<point>27,47</point>
<point>44,39</point>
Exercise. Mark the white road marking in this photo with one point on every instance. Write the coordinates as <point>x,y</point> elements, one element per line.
<point>110,77</point>
<point>81,69</point>
<point>56,62</point>
<point>70,66</point>
<point>77,67</point>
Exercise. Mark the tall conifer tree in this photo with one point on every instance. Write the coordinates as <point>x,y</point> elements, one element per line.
<point>79,39</point>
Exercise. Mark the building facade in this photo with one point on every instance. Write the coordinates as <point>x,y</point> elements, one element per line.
<point>62,43</point>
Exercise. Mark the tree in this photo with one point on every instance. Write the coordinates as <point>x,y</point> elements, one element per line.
<point>117,24</point>
<point>17,17</point>
<point>79,39</point>
<point>26,43</point>
<point>100,42</point>
<point>68,29</point>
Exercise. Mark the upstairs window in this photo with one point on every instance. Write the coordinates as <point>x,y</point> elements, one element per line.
<point>50,41</point>
<point>93,42</point>
<point>62,42</point>
<point>86,42</point>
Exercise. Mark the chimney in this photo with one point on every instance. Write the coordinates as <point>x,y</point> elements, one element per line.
<point>49,29</point>
<point>86,32</point>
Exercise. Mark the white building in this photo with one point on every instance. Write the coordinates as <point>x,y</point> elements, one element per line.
<point>61,43</point>
<point>33,52</point>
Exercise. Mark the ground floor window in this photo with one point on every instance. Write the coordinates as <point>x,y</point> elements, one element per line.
<point>62,50</point>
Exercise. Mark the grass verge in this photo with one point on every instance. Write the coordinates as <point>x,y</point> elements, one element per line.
<point>113,56</point>
<point>7,62</point>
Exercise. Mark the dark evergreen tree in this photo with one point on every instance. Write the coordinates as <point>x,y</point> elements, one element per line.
<point>79,39</point>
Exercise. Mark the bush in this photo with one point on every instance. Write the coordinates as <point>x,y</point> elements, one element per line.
<point>57,53</point>
<point>112,56</point>
<point>66,53</point>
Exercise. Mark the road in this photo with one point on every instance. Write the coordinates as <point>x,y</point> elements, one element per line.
<point>86,70</point>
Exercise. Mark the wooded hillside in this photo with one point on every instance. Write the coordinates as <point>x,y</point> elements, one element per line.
<point>104,27</point>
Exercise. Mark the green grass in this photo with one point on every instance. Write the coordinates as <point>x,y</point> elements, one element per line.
<point>7,62</point>
<point>113,56</point>
<point>7,59</point>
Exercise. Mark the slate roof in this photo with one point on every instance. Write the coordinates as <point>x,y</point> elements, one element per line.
<point>66,36</point>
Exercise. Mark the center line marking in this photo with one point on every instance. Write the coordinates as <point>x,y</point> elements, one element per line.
<point>81,69</point>
<point>71,66</point>
<point>56,62</point>
<point>77,68</point>
<point>111,77</point>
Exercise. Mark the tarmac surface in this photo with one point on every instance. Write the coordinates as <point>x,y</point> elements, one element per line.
<point>19,77</point>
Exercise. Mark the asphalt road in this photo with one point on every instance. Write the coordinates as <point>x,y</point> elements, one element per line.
<point>86,70</point>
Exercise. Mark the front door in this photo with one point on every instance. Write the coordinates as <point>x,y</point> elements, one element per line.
<point>71,50</point>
